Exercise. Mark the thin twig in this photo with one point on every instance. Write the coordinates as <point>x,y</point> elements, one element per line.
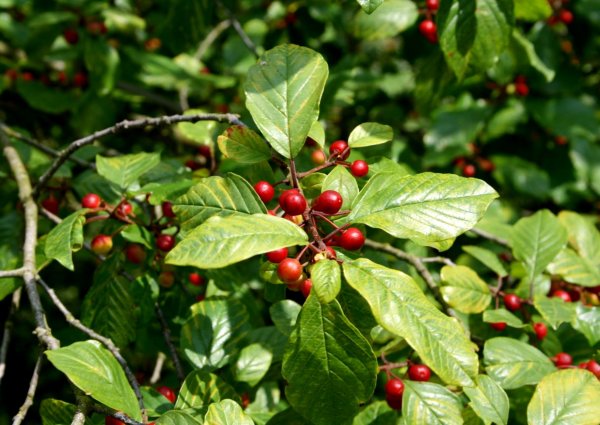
<point>160,362</point>
<point>12,273</point>
<point>107,342</point>
<point>210,38</point>
<point>489,236</point>
<point>128,125</point>
<point>238,28</point>
<point>167,336</point>
<point>8,325</point>
<point>20,416</point>
<point>443,260</point>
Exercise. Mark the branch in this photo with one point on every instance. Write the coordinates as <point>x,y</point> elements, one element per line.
<point>167,335</point>
<point>20,416</point>
<point>129,125</point>
<point>238,28</point>
<point>210,38</point>
<point>8,325</point>
<point>107,342</point>
<point>12,273</point>
<point>118,415</point>
<point>489,236</point>
<point>160,361</point>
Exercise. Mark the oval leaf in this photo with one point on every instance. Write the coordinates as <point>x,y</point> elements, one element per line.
<point>583,235</point>
<point>243,145</point>
<point>502,315</point>
<point>226,412</point>
<point>65,238</point>
<point>464,290</point>
<point>326,279</point>
<point>252,364</point>
<point>369,134</point>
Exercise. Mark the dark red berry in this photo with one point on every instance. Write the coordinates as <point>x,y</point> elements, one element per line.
<point>340,148</point>
<point>80,79</point>
<point>328,202</point>
<point>204,150</point>
<point>394,387</point>
<point>109,420</point>
<point>165,242</point>
<point>196,279</point>
<point>565,16</point>
<point>469,170</point>
<point>359,168</point>
<point>277,256</point>
<point>27,76</point>
<point>168,393</point>
<point>432,5</point>
<point>51,204</point>
<point>167,209</point>
<point>264,190</point>
<point>293,203</point>
<point>499,326</point>
<point>135,253</point>
<point>429,30</point>
<point>594,367</point>
<point>91,200</point>
<point>305,287</point>
<point>512,302</point>
<point>541,330</point>
<point>562,360</point>
<point>289,270</point>
<point>125,208</point>
<point>419,372</point>
<point>71,35</point>
<point>564,295</point>
<point>352,239</point>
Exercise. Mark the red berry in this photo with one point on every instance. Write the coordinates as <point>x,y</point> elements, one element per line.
<point>331,252</point>
<point>562,294</point>
<point>562,360</point>
<point>561,140</point>
<point>109,420</point>
<point>296,219</point>
<point>168,393</point>
<point>522,89</point>
<point>264,190</point>
<point>429,30</point>
<point>80,79</point>
<point>91,200</point>
<point>51,204</point>
<point>200,297</point>
<point>486,165</point>
<point>512,302</point>
<point>245,400</point>
<point>192,165</point>
<point>204,150</point>
<point>289,270</point>
<point>432,5</point>
<point>419,372</point>
<point>272,212</point>
<point>135,253</point>
<point>27,76</point>
<point>71,35</point>
<point>328,202</point>
<point>96,27</point>
<point>167,209</point>
<point>102,244</point>
<point>285,194</point>
<point>125,208</point>
<point>565,16</point>
<point>359,168</point>
<point>318,157</point>
<point>11,74</point>
<point>394,388</point>
<point>352,239</point>
<point>305,287</point>
<point>594,367</point>
<point>499,326</point>
<point>196,279</point>
<point>340,148</point>
<point>166,279</point>
<point>277,256</point>
<point>541,330</point>
<point>293,203</point>
<point>394,402</point>
<point>296,285</point>
<point>165,242</point>
<point>469,170</point>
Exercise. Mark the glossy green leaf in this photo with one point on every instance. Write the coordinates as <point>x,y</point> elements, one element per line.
<point>326,278</point>
<point>284,314</point>
<point>536,240</point>
<point>65,238</point>
<point>326,354</point>
<point>211,337</point>
<point>243,145</point>
<point>502,315</point>
<point>390,19</point>
<point>583,235</point>
<point>473,34</point>
<point>125,170</point>
<point>376,413</point>
<point>202,388</point>
<point>533,10</point>
<point>513,363</point>
<point>155,403</point>
<point>56,412</point>
<point>464,290</point>
<point>252,364</point>
<point>340,180</point>
<point>400,306</point>
<point>566,397</point>
<point>221,241</point>
<point>487,258</point>
<point>317,133</point>
<point>427,208</point>
<point>369,134</point>
<point>369,6</point>
<point>426,403</point>
<point>488,400</point>
<point>226,412</point>
<point>575,269</point>
<point>283,92</point>
<point>94,370</point>
<point>216,195</point>
<point>554,310</point>
<point>587,321</point>
<point>174,417</point>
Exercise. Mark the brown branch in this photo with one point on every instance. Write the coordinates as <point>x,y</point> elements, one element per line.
<point>8,325</point>
<point>489,236</point>
<point>128,125</point>
<point>169,341</point>
<point>20,416</point>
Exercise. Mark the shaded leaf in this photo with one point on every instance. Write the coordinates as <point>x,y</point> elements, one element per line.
<point>243,145</point>
<point>124,170</point>
<point>65,238</point>
<point>202,388</point>
<point>56,412</point>
<point>487,258</point>
<point>284,314</point>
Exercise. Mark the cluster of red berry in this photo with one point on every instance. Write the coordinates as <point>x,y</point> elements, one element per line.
<point>394,388</point>
<point>561,13</point>
<point>427,27</point>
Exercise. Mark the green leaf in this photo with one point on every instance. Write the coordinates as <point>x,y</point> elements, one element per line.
<point>226,412</point>
<point>212,335</point>
<point>369,6</point>
<point>488,400</point>
<point>587,321</point>
<point>154,402</point>
<point>400,306</point>
<point>376,413</point>
<point>202,388</point>
<point>125,170</point>
<point>252,364</point>
<point>536,240</point>
<point>243,145</point>
<point>533,10</point>
<point>487,258</point>
<point>519,42</point>
<point>94,370</point>
<point>317,133</point>
<point>174,417</point>
<point>369,134</point>
<point>326,354</point>
<point>340,180</point>
<point>464,290</point>
<point>555,310</point>
<point>102,61</point>
<point>513,364</point>
<point>216,195</point>
<point>283,92</point>
<point>221,241</point>
<point>502,315</point>
<point>574,268</point>
<point>426,403</point>
<point>284,314</point>
<point>566,397</point>
<point>473,34</point>
<point>200,132</point>
<point>390,19</point>
<point>137,234</point>
<point>311,185</point>
<point>56,412</point>
<point>427,208</point>
<point>65,238</point>
<point>326,278</point>
<point>583,235</point>
<point>46,99</point>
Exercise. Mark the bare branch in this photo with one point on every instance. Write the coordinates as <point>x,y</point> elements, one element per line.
<point>238,28</point>
<point>168,340</point>
<point>119,415</point>
<point>160,362</point>
<point>12,273</point>
<point>442,260</point>
<point>14,306</point>
<point>489,236</point>
<point>210,38</point>
<point>20,416</point>
<point>129,125</point>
